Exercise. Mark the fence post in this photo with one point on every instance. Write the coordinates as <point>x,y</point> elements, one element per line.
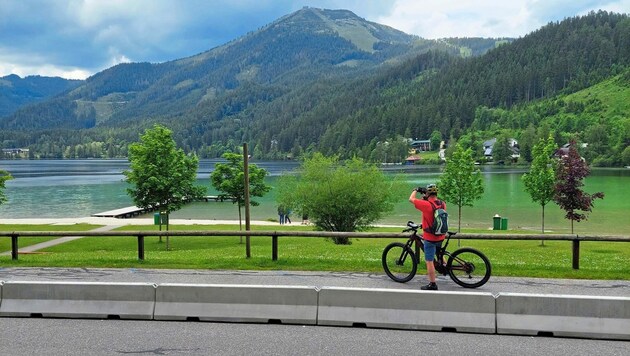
<point>274,247</point>
<point>141,247</point>
<point>14,247</point>
<point>576,254</point>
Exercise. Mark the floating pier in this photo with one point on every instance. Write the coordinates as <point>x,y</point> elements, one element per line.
<point>131,211</point>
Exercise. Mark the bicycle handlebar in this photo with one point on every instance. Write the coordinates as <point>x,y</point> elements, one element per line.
<point>414,227</point>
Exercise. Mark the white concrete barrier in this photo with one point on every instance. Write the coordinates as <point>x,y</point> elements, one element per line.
<point>237,303</point>
<point>78,300</point>
<point>564,315</point>
<point>406,309</point>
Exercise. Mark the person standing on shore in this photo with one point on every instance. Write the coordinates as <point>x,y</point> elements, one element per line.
<point>427,205</point>
<point>281,214</point>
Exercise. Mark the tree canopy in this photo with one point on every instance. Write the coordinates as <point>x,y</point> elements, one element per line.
<point>162,176</point>
<point>540,180</point>
<point>460,183</point>
<point>4,176</point>
<point>229,178</point>
<point>340,195</point>
<point>571,170</point>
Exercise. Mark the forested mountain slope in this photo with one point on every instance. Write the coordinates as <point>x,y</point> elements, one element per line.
<point>328,80</point>
<point>16,92</point>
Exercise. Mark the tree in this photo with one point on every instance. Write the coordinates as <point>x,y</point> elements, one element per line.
<point>4,176</point>
<point>435,140</point>
<point>229,178</point>
<point>570,172</point>
<point>625,156</point>
<point>163,176</point>
<point>540,180</point>
<point>461,181</point>
<point>501,151</point>
<point>339,196</point>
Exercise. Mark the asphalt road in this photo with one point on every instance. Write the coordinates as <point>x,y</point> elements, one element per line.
<point>33,336</point>
<point>64,337</point>
<point>495,286</point>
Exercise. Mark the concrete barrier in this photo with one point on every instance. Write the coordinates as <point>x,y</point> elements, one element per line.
<point>237,303</point>
<point>564,315</point>
<point>1,283</point>
<point>407,309</point>
<point>78,300</point>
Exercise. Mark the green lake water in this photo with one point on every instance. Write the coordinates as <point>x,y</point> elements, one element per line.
<point>80,188</point>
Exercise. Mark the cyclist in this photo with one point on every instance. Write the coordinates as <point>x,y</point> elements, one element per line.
<point>432,243</point>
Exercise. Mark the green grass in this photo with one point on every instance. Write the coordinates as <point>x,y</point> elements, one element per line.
<point>5,242</point>
<point>598,260</point>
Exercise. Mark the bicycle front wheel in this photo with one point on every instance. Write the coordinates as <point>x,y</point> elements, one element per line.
<point>399,262</point>
<point>469,268</point>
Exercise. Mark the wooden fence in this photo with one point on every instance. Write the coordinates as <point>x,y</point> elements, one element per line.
<point>575,239</point>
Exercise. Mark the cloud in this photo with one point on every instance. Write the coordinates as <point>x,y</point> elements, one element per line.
<point>77,38</point>
<point>487,18</point>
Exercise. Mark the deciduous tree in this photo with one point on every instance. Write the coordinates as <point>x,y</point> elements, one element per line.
<point>461,182</point>
<point>163,176</point>
<point>540,180</point>
<point>229,178</point>
<point>4,176</point>
<point>571,170</point>
<point>340,196</point>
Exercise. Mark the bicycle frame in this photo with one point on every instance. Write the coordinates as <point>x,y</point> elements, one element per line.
<point>441,254</point>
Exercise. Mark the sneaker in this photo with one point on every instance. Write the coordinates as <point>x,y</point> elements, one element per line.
<point>430,286</point>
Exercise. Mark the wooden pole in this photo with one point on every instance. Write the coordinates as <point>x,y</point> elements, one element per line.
<point>247,217</point>
<point>141,247</point>
<point>14,247</point>
<point>274,247</point>
<point>576,254</point>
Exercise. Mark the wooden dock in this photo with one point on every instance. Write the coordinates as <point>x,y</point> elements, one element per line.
<point>131,211</point>
<point>123,213</point>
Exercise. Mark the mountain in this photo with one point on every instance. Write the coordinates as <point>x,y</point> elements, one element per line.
<point>331,81</point>
<point>290,52</point>
<point>16,92</point>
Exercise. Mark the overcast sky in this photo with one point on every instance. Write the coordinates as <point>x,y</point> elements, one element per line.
<point>78,38</point>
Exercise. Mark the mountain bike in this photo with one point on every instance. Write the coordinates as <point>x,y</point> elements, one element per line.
<point>466,266</point>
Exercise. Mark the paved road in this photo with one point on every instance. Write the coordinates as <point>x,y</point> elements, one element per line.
<point>495,286</point>
<point>32,336</point>
<point>66,337</point>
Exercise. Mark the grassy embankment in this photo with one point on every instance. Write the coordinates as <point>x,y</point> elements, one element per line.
<point>598,260</point>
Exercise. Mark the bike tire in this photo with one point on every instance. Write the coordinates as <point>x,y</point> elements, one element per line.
<point>399,262</point>
<point>469,267</point>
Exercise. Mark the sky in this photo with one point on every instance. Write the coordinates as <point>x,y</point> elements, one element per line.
<point>75,39</point>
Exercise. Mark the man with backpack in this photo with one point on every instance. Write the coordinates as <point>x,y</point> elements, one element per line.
<point>434,226</point>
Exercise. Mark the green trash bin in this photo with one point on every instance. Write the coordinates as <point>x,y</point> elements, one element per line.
<point>504,223</point>
<point>156,219</point>
<point>496,222</point>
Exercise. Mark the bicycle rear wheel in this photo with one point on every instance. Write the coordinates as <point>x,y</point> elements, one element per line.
<point>469,268</point>
<point>399,262</point>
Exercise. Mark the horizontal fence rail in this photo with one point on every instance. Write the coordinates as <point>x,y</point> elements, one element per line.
<point>575,239</point>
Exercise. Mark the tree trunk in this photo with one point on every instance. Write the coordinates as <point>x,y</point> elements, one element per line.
<point>459,223</point>
<point>542,242</point>
<point>168,221</point>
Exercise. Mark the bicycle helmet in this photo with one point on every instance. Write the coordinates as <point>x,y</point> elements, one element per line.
<point>432,189</point>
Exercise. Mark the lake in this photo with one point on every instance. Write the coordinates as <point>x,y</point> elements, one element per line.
<point>79,188</point>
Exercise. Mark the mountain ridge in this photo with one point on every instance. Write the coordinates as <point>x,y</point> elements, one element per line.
<point>296,84</point>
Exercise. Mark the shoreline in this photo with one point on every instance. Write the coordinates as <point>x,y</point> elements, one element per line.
<point>123,222</point>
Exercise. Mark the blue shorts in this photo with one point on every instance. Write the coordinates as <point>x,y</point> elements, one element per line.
<point>430,248</point>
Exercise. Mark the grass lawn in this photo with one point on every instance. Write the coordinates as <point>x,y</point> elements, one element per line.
<point>598,260</point>
<point>5,242</point>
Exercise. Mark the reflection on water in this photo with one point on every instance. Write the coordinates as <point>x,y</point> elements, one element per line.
<point>78,188</point>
